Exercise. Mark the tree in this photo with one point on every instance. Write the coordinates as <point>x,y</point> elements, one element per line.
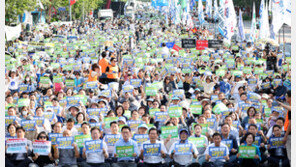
<point>50,4</point>
<point>87,6</point>
<point>14,8</point>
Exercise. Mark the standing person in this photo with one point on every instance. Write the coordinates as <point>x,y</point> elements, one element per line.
<point>126,141</point>
<point>113,71</point>
<point>103,63</point>
<point>96,159</point>
<point>287,125</point>
<point>153,161</point>
<point>183,160</point>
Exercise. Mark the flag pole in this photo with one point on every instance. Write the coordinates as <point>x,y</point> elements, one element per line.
<point>70,10</point>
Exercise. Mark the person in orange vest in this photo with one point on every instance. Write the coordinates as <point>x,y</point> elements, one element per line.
<point>94,73</point>
<point>287,125</point>
<point>113,71</point>
<point>103,63</point>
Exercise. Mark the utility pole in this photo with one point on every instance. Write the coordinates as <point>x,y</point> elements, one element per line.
<point>70,10</point>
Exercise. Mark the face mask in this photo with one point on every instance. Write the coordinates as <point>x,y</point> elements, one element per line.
<point>225,80</point>
<point>25,112</point>
<point>27,79</point>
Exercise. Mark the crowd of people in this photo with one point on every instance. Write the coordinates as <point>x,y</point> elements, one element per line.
<point>124,93</point>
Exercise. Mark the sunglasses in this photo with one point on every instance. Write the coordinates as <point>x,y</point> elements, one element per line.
<point>42,137</point>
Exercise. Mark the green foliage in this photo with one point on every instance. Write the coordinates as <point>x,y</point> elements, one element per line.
<point>14,8</point>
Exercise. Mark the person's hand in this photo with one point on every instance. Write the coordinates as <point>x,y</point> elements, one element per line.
<point>262,145</point>
<point>37,155</point>
<point>233,150</point>
<point>226,158</point>
<point>27,148</point>
<point>257,157</point>
<point>268,146</point>
<point>50,155</point>
<point>115,155</point>
<point>285,139</point>
<point>104,151</point>
<point>261,132</point>
<point>238,155</point>
<point>134,154</point>
<point>84,150</point>
<point>74,145</point>
<point>161,152</point>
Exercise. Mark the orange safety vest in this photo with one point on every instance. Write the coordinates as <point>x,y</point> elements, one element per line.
<point>286,121</point>
<point>114,70</point>
<point>90,78</point>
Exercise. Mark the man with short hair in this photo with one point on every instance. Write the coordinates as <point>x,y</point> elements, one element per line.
<point>183,160</point>
<point>126,141</point>
<point>153,161</point>
<point>217,137</point>
<point>70,126</point>
<point>227,138</point>
<point>96,159</point>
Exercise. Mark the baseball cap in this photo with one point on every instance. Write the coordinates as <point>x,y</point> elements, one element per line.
<point>143,126</point>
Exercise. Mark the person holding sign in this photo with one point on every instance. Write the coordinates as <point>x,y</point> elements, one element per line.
<point>67,157</point>
<point>126,149</point>
<point>249,156</point>
<point>276,148</point>
<point>152,151</point>
<point>96,158</point>
<point>201,148</point>
<point>183,151</point>
<point>18,151</point>
<point>217,153</point>
<point>42,160</point>
<point>230,141</point>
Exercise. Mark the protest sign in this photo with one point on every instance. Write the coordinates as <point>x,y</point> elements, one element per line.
<point>42,147</point>
<point>108,120</point>
<point>175,111</point>
<point>111,139</point>
<point>91,85</point>
<point>136,83</point>
<point>133,124</point>
<point>217,152</point>
<point>152,149</point>
<point>80,139</point>
<point>28,125</point>
<point>65,142</point>
<point>93,146</point>
<point>161,116</point>
<point>276,142</point>
<point>196,109</point>
<point>188,43</point>
<point>215,43</point>
<point>9,120</point>
<point>140,138</point>
<point>73,101</point>
<point>201,44</point>
<point>53,137</point>
<point>169,130</point>
<point>247,152</point>
<point>127,88</point>
<point>16,146</point>
<point>211,122</point>
<point>23,102</point>
<point>93,111</point>
<point>228,143</point>
<point>183,149</point>
<point>124,151</point>
<point>198,141</point>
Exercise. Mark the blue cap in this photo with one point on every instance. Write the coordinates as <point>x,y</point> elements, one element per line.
<point>175,98</point>
<point>184,129</point>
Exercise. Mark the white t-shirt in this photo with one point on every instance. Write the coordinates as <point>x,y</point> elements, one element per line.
<point>183,159</point>
<point>154,159</point>
<point>73,130</point>
<point>96,157</point>
<point>221,146</point>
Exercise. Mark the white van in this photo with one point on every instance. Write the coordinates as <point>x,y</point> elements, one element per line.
<point>105,13</point>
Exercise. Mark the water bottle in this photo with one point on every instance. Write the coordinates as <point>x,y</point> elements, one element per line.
<point>281,163</point>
